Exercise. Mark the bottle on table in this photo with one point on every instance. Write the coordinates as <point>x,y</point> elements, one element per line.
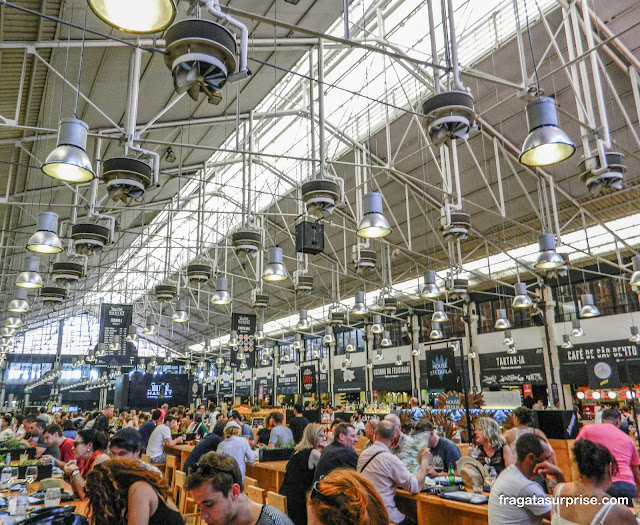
<point>7,472</point>
<point>22,501</point>
<point>452,476</point>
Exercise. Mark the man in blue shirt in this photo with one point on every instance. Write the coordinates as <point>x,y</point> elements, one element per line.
<point>148,427</point>
<point>246,429</point>
<point>208,444</point>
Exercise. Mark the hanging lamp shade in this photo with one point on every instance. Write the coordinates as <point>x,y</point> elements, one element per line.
<point>502,321</point>
<point>576,329</point>
<point>386,339</point>
<point>328,338</point>
<point>398,360</point>
<point>6,342</point>
<point>521,299</point>
<point>635,337</point>
<point>132,334</point>
<point>241,355</point>
<point>315,353</point>
<point>373,224</point>
<point>150,327</point>
<point>369,364</point>
<point>379,355</point>
<point>221,296</point>
<point>13,322</point>
<point>220,359</point>
<point>45,240</point>
<point>297,342</point>
<point>508,338</point>
<point>31,278</point>
<point>635,276</point>
<point>415,349</point>
<point>359,306</point>
<point>546,143</point>
<point>472,352</point>
<point>275,270</point>
<point>430,289</point>
<point>180,314</point>
<point>19,305</point>
<point>259,335</point>
<point>435,333</point>
<point>140,16</point>
<point>376,327</point>
<point>548,258</point>
<point>100,351</point>
<point>303,322</point>
<point>350,346</point>
<point>7,332</point>
<point>233,339</point>
<point>589,308</point>
<point>439,315</point>
<point>566,342</point>
<point>69,161</point>
<point>511,349</point>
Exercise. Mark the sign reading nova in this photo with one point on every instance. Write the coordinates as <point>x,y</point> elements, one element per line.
<point>502,368</point>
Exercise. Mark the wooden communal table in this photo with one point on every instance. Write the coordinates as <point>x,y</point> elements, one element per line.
<point>428,509</point>
<point>269,474</point>
<point>180,451</point>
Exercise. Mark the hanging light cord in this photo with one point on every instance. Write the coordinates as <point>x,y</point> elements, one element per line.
<point>84,32</point>
<point>533,58</point>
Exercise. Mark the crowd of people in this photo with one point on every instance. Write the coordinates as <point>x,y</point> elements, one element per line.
<point>326,480</point>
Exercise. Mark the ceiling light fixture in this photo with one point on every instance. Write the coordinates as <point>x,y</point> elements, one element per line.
<point>379,355</point>
<point>132,334</point>
<point>328,338</point>
<point>566,342</point>
<point>635,276</point>
<point>303,323</point>
<point>141,16</point>
<point>259,335</point>
<point>315,353</point>
<point>373,224</point>
<point>521,299</point>
<point>221,296</point>
<point>100,351</point>
<point>275,271</point>
<point>435,333</point>
<point>369,364</point>
<point>386,339</point>
<point>45,240</point>
<point>502,321</point>
<point>508,339</point>
<point>180,314</point>
<point>635,337</point>
<point>511,349</point>
<point>439,315</point>
<point>150,328</point>
<point>595,395</point>
<point>398,360</point>
<point>415,349</point>
<point>297,342</point>
<point>7,332</point>
<point>430,289</point>
<point>359,307</point>
<point>576,329</point>
<point>589,308</point>
<point>233,339</point>
<point>546,143</point>
<point>31,278</point>
<point>472,352</point>
<point>13,322</point>
<point>548,259</point>
<point>170,155</point>
<point>376,327</point>
<point>69,161</point>
<point>350,346</point>
<point>19,305</point>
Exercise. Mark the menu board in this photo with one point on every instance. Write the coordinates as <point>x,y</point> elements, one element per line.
<point>266,384</point>
<point>245,325</point>
<point>243,388</point>
<point>288,384</point>
<point>502,368</point>
<point>115,320</point>
<point>392,378</point>
<point>575,362</point>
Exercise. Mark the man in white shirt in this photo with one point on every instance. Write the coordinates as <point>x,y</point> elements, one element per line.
<point>160,437</point>
<point>517,499</point>
<point>401,441</point>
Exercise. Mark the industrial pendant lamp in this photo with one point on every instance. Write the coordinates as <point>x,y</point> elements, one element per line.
<point>303,323</point>
<point>45,240</point>
<point>359,307</point>
<point>398,360</point>
<point>566,342</point>
<point>589,308</point>
<point>508,338</point>
<point>221,296</point>
<point>328,338</point>
<point>439,315</point>
<point>220,359</point>
<point>315,353</point>
<point>376,327</point>
<point>31,278</point>
<point>13,322</point>
<point>521,299</point>
<point>259,335</point>
<point>19,305</point>
<point>150,327</point>
<point>132,334</point>
<point>297,342</point>
<point>114,346</point>
<point>472,352</point>
<point>369,364</point>
<point>546,143</point>
<point>243,366</point>
<point>241,355</point>
<point>275,270</point>
<point>577,330</point>
<point>69,162</point>
<point>140,16</point>
<point>350,346</point>
<point>635,276</point>
<point>634,338</point>
<point>430,290</point>
<point>386,339</point>
<point>373,224</point>
<point>511,349</point>
<point>415,349</point>
<point>435,333</point>
<point>7,332</point>
<point>100,351</point>
<point>180,314</point>
<point>502,321</point>
<point>548,259</point>
<point>233,339</point>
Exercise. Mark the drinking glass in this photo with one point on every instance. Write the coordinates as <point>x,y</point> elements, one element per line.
<point>24,458</point>
<point>491,476</point>
<point>474,452</point>
<point>13,478</point>
<point>438,466</point>
<point>52,497</point>
<point>31,475</point>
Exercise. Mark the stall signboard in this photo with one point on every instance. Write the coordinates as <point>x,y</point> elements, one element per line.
<point>288,384</point>
<point>392,377</point>
<point>226,388</point>
<point>441,371</point>
<point>245,325</point>
<point>243,388</point>
<point>502,368</point>
<point>266,384</point>
<point>323,383</point>
<point>576,364</point>
<point>349,380</point>
<point>115,320</point>
<point>308,381</point>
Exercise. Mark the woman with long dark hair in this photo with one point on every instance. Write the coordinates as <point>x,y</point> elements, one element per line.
<point>89,447</point>
<point>125,492</point>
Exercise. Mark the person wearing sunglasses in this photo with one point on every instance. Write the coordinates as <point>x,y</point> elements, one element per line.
<point>344,497</point>
<point>215,483</point>
<point>89,447</point>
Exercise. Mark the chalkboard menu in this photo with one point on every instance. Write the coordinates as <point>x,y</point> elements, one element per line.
<point>245,325</point>
<point>308,382</point>
<point>266,384</point>
<point>502,368</point>
<point>392,378</point>
<point>115,320</point>
<point>243,388</point>
<point>288,384</point>
<point>323,383</point>
<point>576,362</point>
<point>349,380</point>
<point>226,388</point>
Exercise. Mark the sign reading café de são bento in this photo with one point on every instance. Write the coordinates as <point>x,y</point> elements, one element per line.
<point>575,362</point>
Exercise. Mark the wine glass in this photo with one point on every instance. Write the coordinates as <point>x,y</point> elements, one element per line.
<point>474,452</point>
<point>438,466</point>
<point>491,477</point>
<point>30,476</point>
<point>14,477</point>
